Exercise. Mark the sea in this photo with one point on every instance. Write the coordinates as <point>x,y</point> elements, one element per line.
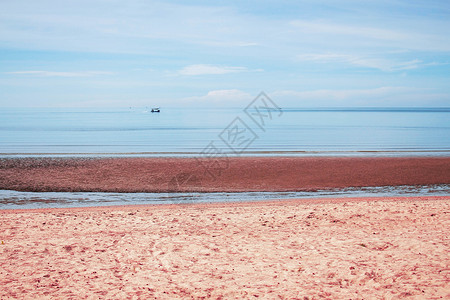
<point>185,132</point>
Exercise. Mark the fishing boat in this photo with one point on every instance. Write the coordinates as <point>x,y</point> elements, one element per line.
<point>156,110</point>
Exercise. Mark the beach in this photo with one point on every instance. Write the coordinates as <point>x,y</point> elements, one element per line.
<point>352,248</point>
<point>297,249</point>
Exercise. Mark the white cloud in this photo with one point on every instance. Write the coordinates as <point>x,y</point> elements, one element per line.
<point>61,74</point>
<point>340,29</point>
<point>381,96</point>
<point>321,57</point>
<point>385,96</point>
<point>344,94</point>
<point>223,96</point>
<point>193,70</point>
<point>384,32</point>
<point>361,61</point>
<point>385,64</point>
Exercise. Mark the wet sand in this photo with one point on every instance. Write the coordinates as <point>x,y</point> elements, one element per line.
<point>330,248</point>
<point>218,175</point>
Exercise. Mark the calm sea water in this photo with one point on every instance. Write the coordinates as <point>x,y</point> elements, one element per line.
<point>189,131</point>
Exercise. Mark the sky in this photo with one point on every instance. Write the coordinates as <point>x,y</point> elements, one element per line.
<point>306,53</point>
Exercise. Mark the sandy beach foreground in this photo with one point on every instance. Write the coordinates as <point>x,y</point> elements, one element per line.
<point>346,248</point>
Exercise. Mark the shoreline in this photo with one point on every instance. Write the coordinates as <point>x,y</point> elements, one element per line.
<point>13,200</point>
<point>269,153</point>
<point>215,205</point>
<point>233,174</point>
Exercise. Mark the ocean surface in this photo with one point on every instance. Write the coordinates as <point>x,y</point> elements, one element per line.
<point>174,131</point>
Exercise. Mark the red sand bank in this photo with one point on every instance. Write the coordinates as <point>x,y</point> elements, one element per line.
<point>219,175</point>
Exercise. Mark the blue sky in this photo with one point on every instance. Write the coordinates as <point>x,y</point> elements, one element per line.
<point>100,53</point>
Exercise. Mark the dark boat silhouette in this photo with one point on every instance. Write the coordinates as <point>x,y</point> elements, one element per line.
<point>156,110</point>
